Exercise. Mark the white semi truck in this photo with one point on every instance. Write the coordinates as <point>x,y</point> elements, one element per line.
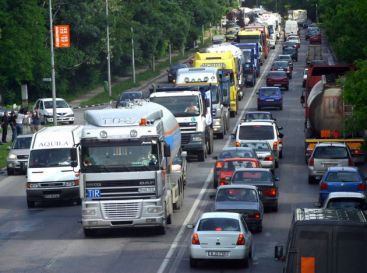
<point>191,105</point>
<point>132,171</point>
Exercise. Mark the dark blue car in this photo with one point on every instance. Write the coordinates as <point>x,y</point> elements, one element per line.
<point>269,97</point>
<point>345,179</point>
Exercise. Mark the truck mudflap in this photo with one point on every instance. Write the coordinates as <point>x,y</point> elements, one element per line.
<point>355,145</point>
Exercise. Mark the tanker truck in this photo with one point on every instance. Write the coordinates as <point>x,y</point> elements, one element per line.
<point>132,168</point>
<point>325,119</point>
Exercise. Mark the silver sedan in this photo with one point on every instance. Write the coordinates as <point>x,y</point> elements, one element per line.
<point>221,236</point>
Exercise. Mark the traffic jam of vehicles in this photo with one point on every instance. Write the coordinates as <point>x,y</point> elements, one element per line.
<point>129,166</point>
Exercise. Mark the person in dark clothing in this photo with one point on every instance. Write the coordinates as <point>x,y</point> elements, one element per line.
<point>12,123</point>
<point>4,126</point>
<point>36,120</point>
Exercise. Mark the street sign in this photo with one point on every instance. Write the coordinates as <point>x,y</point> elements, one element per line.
<point>62,36</point>
<point>46,79</point>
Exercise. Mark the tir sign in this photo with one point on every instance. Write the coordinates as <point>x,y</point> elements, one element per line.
<point>62,36</point>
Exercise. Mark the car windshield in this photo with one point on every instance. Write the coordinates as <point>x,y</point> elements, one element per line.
<point>236,195</point>
<point>237,164</point>
<point>50,158</point>
<point>285,57</point>
<point>257,146</point>
<point>289,51</point>
<point>346,203</point>
<point>180,106</point>
<point>22,143</point>
<point>219,224</point>
<point>59,104</point>
<point>256,132</point>
<point>330,152</point>
<point>125,156</point>
<point>280,64</point>
<point>343,177</point>
<point>277,74</point>
<point>254,116</point>
<point>251,177</point>
<point>236,153</point>
<point>269,91</point>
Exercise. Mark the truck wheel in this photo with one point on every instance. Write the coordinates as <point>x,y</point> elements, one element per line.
<point>202,155</point>
<point>193,262</point>
<point>88,232</point>
<point>31,204</point>
<point>311,179</point>
<point>10,171</point>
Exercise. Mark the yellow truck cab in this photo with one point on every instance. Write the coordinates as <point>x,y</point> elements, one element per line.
<point>252,36</point>
<point>222,61</point>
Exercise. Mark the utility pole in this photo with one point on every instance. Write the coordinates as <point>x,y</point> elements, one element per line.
<point>52,64</point>
<point>108,53</point>
<point>133,54</point>
<point>170,53</point>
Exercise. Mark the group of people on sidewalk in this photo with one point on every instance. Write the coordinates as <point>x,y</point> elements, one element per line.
<point>16,121</point>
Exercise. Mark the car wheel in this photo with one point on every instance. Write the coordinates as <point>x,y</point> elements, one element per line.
<point>78,202</point>
<point>193,262</point>
<point>10,171</point>
<point>311,179</point>
<point>31,204</point>
<point>88,232</point>
<point>232,114</point>
<point>259,107</point>
<point>260,227</point>
<point>275,207</point>
<point>245,262</point>
<point>215,184</point>
<point>71,122</point>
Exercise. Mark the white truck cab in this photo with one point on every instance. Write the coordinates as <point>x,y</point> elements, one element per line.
<point>52,172</point>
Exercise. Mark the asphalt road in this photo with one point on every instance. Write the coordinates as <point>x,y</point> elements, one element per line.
<point>50,238</point>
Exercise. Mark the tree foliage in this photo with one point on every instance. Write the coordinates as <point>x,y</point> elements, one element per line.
<point>25,44</point>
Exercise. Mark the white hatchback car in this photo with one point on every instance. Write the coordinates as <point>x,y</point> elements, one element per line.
<point>64,113</point>
<point>221,236</point>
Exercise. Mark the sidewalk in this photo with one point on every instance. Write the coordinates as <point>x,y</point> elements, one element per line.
<point>76,103</point>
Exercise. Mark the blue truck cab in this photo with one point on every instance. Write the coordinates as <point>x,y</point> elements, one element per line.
<point>256,51</point>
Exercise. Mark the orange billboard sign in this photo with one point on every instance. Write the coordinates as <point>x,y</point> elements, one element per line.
<point>62,36</point>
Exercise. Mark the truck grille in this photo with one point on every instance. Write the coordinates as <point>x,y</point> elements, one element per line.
<point>121,210</point>
<point>187,126</point>
<point>185,138</point>
<point>22,156</point>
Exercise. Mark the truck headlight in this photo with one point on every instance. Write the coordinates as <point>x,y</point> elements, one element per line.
<point>154,209</point>
<point>196,138</point>
<point>89,212</point>
<point>31,185</point>
<point>12,156</point>
<point>217,122</point>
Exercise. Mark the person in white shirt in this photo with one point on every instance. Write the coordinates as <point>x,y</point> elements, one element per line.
<point>22,114</point>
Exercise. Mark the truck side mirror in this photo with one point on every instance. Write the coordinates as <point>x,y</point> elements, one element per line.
<point>279,252</point>
<point>302,99</point>
<point>74,158</point>
<point>167,150</point>
<point>281,135</point>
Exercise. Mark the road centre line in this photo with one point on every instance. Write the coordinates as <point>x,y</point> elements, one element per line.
<point>193,209</point>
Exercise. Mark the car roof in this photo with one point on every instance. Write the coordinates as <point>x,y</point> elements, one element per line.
<point>237,186</point>
<point>257,122</point>
<point>284,55</point>
<point>240,159</point>
<point>258,112</point>
<point>280,62</point>
<point>218,214</point>
<point>344,169</point>
<point>269,87</point>
<point>252,169</point>
<point>326,144</point>
<point>236,148</point>
<point>346,194</point>
<point>25,136</point>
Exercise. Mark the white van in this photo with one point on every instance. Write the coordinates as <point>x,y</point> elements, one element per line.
<point>53,165</point>
<point>291,27</point>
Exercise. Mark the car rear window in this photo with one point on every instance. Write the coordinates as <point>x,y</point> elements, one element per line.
<point>253,132</point>
<point>219,224</point>
<point>346,203</point>
<point>251,177</point>
<point>269,91</point>
<point>237,164</point>
<point>330,152</point>
<point>236,195</point>
<point>236,153</point>
<point>277,74</point>
<point>253,116</point>
<point>342,177</point>
<point>257,146</point>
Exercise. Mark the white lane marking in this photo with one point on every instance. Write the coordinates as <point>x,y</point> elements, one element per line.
<point>193,209</point>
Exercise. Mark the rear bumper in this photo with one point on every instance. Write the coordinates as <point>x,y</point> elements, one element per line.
<point>232,253</point>
<point>276,103</point>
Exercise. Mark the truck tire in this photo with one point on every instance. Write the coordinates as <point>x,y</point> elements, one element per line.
<point>31,204</point>
<point>311,180</point>
<point>202,155</point>
<point>88,232</point>
<point>10,171</point>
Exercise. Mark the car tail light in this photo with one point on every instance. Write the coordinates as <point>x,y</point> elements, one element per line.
<point>350,162</point>
<point>195,239</point>
<point>323,186</point>
<point>269,158</point>
<point>361,187</point>
<point>358,152</point>
<point>238,144</point>
<point>255,215</point>
<point>272,192</point>
<point>275,145</point>
<point>311,162</point>
<point>241,239</point>
<point>222,182</point>
<point>219,164</point>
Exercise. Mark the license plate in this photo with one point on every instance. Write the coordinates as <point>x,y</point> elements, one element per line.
<point>277,84</point>
<point>269,100</point>
<point>51,196</point>
<point>218,253</point>
<point>327,165</point>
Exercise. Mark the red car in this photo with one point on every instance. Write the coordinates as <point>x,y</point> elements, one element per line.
<point>315,39</point>
<point>282,66</point>
<point>230,165</point>
<point>277,78</point>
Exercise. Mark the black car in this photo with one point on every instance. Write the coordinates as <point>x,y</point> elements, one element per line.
<point>291,51</point>
<point>172,71</point>
<point>264,180</point>
<point>127,96</point>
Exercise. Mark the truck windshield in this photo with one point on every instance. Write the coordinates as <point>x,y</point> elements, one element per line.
<point>249,39</point>
<point>126,156</point>
<point>180,106</point>
<point>50,158</point>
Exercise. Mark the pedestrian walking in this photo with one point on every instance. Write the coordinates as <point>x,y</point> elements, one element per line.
<point>36,120</point>
<point>12,123</point>
<point>22,114</point>
<point>4,126</point>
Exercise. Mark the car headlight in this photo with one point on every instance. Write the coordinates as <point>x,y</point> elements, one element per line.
<point>216,122</point>
<point>196,138</point>
<point>33,185</point>
<point>12,156</point>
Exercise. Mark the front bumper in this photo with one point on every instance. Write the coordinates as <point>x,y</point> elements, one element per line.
<point>60,119</point>
<point>19,165</point>
<point>192,142</point>
<point>53,194</point>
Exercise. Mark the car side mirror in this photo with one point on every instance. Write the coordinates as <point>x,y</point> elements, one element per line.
<point>279,252</point>
<point>276,178</point>
<point>74,158</point>
<point>281,135</point>
<point>280,127</point>
<point>190,226</point>
<point>167,150</point>
<point>211,196</point>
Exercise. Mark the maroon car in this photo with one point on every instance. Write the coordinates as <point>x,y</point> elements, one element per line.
<point>277,78</point>
<point>282,66</point>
